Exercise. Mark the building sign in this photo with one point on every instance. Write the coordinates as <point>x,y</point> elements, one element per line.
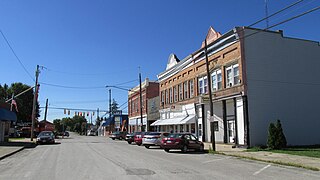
<point>117,121</point>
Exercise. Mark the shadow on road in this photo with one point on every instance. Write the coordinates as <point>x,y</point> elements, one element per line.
<point>22,144</point>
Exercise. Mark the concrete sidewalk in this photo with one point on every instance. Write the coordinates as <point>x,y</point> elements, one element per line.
<point>10,148</point>
<point>276,158</point>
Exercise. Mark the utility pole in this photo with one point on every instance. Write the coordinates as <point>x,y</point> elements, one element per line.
<point>35,96</point>
<point>110,113</point>
<point>142,129</point>
<point>45,115</point>
<point>210,96</point>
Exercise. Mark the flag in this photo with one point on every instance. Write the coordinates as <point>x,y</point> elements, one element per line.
<point>13,102</point>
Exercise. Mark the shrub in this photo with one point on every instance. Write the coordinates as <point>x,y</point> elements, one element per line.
<point>276,137</point>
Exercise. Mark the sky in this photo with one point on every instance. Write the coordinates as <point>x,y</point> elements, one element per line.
<point>82,46</point>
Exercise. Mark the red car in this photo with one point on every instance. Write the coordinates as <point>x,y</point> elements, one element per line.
<point>183,141</point>
<point>138,137</point>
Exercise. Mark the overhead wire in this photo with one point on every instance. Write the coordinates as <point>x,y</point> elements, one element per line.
<point>14,53</point>
<point>282,22</point>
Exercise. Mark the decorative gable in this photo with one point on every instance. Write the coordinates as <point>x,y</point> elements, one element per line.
<point>172,61</point>
<point>211,36</point>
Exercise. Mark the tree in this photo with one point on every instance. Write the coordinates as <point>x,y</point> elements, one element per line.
<point>114,107</point>
<point>276,137</point>
<point>57,125</point>
<point>24,101</point>
<point>271,136</point>
<point>282,141</point>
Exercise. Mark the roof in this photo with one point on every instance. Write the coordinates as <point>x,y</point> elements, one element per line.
<point>6,115</point>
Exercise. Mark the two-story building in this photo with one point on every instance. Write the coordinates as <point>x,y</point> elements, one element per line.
<point>150,106</point>
<point>257,76</point>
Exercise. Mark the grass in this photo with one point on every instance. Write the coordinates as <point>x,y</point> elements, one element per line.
<point>312,151</point>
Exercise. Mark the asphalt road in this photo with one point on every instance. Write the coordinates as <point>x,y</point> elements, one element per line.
<point>80,157</point>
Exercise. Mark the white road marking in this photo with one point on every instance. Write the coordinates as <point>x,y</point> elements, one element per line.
<point>216,160</point>
<point>262,169</point>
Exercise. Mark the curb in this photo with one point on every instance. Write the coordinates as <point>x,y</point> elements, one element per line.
<point>274,162</point>
<point>11,153</point>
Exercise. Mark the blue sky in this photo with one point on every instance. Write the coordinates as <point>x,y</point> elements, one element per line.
<point>93,43</point>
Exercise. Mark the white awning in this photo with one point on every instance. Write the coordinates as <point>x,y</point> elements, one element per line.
<point>174,121</point>
<point>188,120</point>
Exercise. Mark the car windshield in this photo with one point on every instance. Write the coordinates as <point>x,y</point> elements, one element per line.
<point>174,135</point>
<point>154,133</point>
<point>45,134</point>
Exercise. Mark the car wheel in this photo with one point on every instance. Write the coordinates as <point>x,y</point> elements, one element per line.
<point>147,147</point>
<point>120,138</point>
<point>113,138</point>
<point>139,144</point>
<point>129,142</point>
<point>184,149</point>
<point>166,150</point>
<point>201,148</point>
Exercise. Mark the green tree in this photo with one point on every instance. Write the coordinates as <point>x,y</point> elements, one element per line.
<point>276,137</point>
<point>57,125</point>
<point>24,101</point>
<point>281,139</point>
<point>114,106</point>
<point>271,136</point>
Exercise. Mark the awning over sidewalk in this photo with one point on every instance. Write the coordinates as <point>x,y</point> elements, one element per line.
<point>173,121</point>
<point>6,115</point>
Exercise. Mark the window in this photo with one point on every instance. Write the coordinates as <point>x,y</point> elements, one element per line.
<point>216,80</point>
<point>180,92</point>
<point>170,95</point>
<point>162,97</point>
<point>203,85</point>
<point>175,93</point>
<point>166,95</point>
<point>185,89</point>
<point>216,126</point>
<point>191,92</point>
<point>232,75</point>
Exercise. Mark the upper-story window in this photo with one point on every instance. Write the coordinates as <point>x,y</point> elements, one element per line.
<point>175,93</point>
<point>185,89</point>
<point>203,85</point>
<point>167,96</point>
<point>191,86</point>
<point>162,97</point>
<point>180,92</point>
<point>216,79</point>
<point>232,75</point>
<point>170,95</point>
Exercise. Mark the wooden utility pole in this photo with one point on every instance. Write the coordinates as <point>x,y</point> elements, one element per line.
<point>35,96</point>
<point>210,96</point>
<point>45,115</point>
<point>141,116</point>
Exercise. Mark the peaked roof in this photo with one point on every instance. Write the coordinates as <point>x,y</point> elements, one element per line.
<point>172,60</point>
<point>212,35</point>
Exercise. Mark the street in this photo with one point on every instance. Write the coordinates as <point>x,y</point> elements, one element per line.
<point>92,157</point>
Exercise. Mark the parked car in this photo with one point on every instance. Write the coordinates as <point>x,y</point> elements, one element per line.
<point>118,135</point>
<point>46,137</point>
<point>153,139</point>
<point>130,137</point>
<point>183,141</point>
<point>138,138</point>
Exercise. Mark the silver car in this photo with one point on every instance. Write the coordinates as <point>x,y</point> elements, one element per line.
<point>153,139</point>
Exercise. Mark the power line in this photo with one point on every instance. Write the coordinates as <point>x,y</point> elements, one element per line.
<point>282,22</point>
<point>74,109</point>
<point>281,10</point>
<point>77,102</point>
<point>12,50</point>
<point>72,87</point>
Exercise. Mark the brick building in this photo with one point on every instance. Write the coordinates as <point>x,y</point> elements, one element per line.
<point>257,77</point>
<point>150,106</point>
